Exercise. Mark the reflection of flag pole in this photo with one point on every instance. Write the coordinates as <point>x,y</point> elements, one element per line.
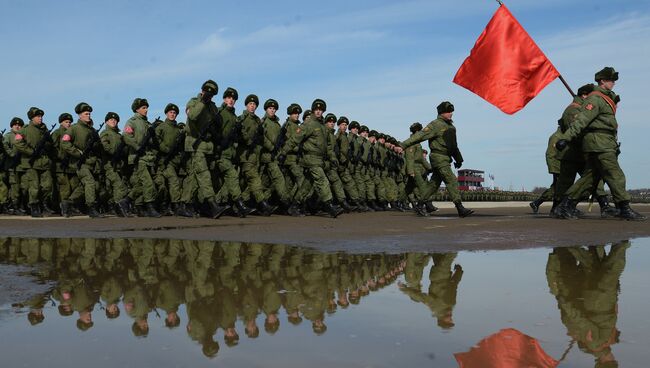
<point>505,67</point>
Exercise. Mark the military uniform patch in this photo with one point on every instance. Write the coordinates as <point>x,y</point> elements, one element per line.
<point>66,138</point>
<point>298,130</point>
<point>19,137</point>
<point>426,129</point>
<point>128,129</point>
<point>589,107</point>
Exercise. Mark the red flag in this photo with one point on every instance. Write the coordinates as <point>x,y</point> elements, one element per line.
<point>506,67</point>
<point>508,348</point>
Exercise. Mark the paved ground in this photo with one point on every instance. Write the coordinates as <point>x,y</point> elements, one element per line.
<point>495,226</point>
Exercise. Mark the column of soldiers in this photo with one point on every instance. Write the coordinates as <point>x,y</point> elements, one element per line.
<point>219,162</point>
<point>586,144</point>
<point>222,285</point>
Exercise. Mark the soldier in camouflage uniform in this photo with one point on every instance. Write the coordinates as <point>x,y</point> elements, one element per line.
<point>441,134</point>
<point>572,160</point>
<point>248,152</point>
<point>81,145</point>
<point>35,165</point>
<point>11,162</point>
<point>356,165</point>
<point>344,151</point>
<point>272,176</point>
<point>312,136</point>
<point>139,137</point>
<point>295,175</point>
<point>332,166</point>
<point>202,127</point>
<point>230,192</point>
<point>171,141</point>
<point>597,126</point>
<point>553,165</point>
<point>114,148</point>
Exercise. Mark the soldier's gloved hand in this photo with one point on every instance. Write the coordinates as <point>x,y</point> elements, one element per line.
<point>561,144</point>
<point>281,158</point>
<point>207,97</point>
<point>458,165</point>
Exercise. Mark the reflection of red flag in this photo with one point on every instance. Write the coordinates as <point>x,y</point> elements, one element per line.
<point>508,348</point>
<point>505,67</point>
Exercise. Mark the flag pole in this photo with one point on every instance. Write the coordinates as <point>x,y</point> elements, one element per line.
<point>560,75</point>
<point>567,86</point>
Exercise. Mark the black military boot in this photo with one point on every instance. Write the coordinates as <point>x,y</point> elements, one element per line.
<point>331,209</point>
<point>150,211</point>
<point>347,207</point>
<point>216,209</point>
<point>421,209</point>
<point>364,205</point>
<point>265,209</point>
<point>242,209</point>
<point>35,210</point>
<point>46,210</point>
<point>183,210</point>
<point>294,210</point>
<point>566,209</point>
<point>430,207</point>
<point>373,205</point>
<point>394,206</point>
<point>534,205</point>
<point>123,206</point>
<point>628,213</point>
<point>553,213</point>
<point>605,209</point>
<point>93,212</point>
<point>65,208</point>
<point>462,211</point>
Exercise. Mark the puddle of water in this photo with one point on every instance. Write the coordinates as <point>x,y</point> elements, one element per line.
<point>176,303</point>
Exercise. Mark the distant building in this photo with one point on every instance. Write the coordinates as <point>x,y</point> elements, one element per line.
<point>469,179</point>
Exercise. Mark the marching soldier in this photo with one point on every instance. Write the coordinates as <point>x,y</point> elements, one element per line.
<point>81,144</point>
<point>34,143</point>
<point>598,127</point>
<point>441,134</point>
<point>332,165</point>
<point>114,148</point>
<point>343,147</point>
<point>248,152</point>
<point>230,192</point>
<point>139,136</point>
<point>203,120</point>
<point>171,143</point>
<point>312,135</point>
<point>272,176</point>
<point>12,159</point>
<point>295,174</point>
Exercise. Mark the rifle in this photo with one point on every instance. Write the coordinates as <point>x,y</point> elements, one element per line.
<point>360,151</point>
<point>90,145</point>
<point>282,137</point>
<point>3,152</point>
<point>232,137</point>
<point>173,151</point>
<point>337,149</point>
<point>148,136</point>
<point>117,155</point>
<point>203,134</point>
<point>40,146</point>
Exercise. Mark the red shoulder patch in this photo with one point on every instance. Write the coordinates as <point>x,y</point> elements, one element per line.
<point>298,130</point>
<point>589,107</point>
<point>66,138</point>
<point>19,137</point>
<point>128,129</point>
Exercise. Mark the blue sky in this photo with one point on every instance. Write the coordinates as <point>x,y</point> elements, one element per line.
<point>386,64</point>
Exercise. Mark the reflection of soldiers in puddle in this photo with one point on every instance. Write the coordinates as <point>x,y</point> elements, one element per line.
<point>585,282</point>
<point>443,287</point>
<point>136,305</point>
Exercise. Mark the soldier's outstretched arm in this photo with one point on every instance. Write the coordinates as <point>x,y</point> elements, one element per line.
<point>423,135</point>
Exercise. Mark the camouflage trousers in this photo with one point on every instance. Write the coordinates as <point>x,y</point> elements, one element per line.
<point>601,166</point>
